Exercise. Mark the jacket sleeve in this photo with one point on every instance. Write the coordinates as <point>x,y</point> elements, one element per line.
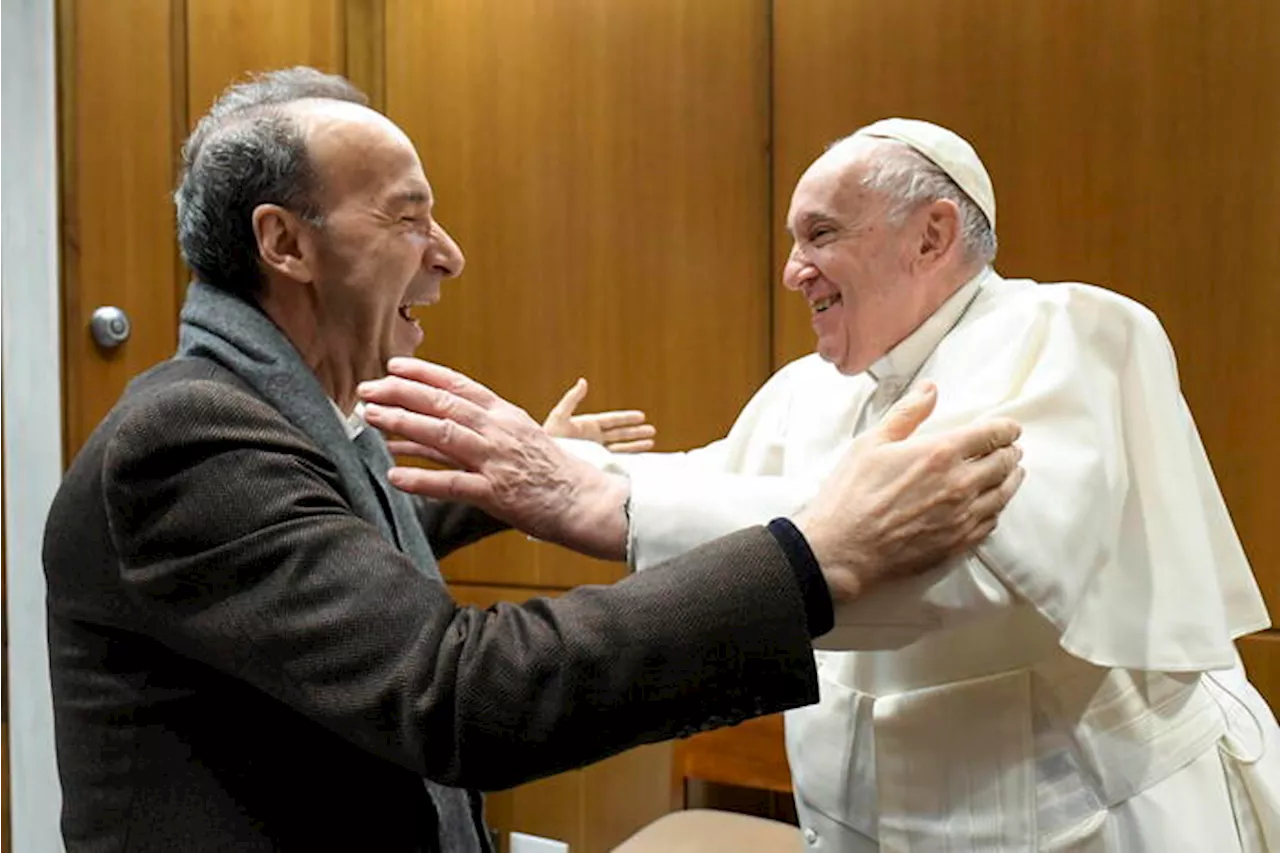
<point>234,540</point>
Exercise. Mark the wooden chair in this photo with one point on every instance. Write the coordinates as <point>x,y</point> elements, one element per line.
<point>750,755</point>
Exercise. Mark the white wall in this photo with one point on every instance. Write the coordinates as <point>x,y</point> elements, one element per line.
<point>29,292</point>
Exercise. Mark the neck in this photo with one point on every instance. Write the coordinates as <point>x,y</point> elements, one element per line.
<point>947,284</point>
<point>333,366</point>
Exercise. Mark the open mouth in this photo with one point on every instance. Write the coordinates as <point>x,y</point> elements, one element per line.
<point>821,305</point>
<point>405,313</point>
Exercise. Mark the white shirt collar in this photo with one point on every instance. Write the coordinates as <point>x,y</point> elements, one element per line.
<point>353,423</point>
<point>900,364</point>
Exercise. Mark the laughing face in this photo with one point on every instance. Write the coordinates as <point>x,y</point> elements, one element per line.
<point>851,263</point>
<point>379,252</point>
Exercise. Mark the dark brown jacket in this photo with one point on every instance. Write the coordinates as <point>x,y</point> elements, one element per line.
<point>239,662</point>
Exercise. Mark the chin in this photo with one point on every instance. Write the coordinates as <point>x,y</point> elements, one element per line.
<point>831,353</point>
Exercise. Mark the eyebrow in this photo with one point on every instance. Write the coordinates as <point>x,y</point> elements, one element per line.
<point>406,197</point>
<point>810,218</point>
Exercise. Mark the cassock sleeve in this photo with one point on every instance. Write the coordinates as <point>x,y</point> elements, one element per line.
<point>681,500</point>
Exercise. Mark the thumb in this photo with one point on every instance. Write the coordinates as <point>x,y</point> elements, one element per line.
<point>909,412</point>
<point>564,409</point>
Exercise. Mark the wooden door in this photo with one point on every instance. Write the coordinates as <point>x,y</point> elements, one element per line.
<point>121,117</point>
<point>1132,145</point>
<point>134,75</point>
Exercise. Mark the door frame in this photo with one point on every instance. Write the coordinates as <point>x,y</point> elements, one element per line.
<point>32,406</point>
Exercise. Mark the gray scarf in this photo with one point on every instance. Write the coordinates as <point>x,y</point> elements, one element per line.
<point>238,336</point>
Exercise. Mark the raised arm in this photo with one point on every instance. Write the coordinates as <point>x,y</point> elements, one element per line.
<point>895,505</point>
<point>237,547</point>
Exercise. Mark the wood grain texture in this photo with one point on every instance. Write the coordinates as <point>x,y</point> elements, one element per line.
<point>227,39</point>
<point>749,755</point>
<point>1261,656</point>
<point>1132,145</point>
<point>366,40</point>
<point>605,167</point>
<point>117,170</point>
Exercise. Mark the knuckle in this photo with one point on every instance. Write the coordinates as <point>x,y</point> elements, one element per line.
<point>941,457</point>
<point>447,432</point>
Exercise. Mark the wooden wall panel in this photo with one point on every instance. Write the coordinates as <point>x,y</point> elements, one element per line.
<point>117,108</point>
<point>605,167</point>
<point>1132,145</point>
<point>228,38</point>
<point>1261,655</point>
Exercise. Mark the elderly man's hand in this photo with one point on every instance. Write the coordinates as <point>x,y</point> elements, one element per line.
<point>619,431</point>
<point>504,461</point>
<point>897,505</point>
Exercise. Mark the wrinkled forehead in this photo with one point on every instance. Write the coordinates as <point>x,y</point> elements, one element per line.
<point>832,186</point>
<point>359,152</point>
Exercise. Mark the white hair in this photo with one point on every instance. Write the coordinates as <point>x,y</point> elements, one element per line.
<point>909,180</point>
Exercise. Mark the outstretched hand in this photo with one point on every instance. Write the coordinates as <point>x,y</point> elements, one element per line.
<point>897,503</point>
<point>623,431</point>
<point>504,462</point>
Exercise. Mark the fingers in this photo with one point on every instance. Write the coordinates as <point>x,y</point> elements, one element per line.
<point>445,485</point>
<point>630,446</point>
<point>414,396</point>
<point>616,420</point>
<point>632,433</point>
<point>466,448</point>
<point>441,377</point>
<point>569,402</point>
<point>909,412</point>
<point>988,505</point>
<point>989,471</point>
<point>987,437</point>
<point>980,531</point>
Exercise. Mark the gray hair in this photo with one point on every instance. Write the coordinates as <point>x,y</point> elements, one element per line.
<point>909,180</point>
<point>248,150</point>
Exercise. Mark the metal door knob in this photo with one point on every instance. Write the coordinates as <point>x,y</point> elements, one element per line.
<point>110,326</point>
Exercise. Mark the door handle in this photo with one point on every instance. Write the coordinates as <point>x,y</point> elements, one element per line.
<point>110,326</point>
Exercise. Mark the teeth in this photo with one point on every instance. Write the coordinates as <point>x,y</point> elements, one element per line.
<point>820,305</point>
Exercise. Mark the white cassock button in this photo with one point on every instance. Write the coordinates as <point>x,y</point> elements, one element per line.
<point>810,836</point>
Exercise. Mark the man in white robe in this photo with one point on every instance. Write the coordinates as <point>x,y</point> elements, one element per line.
<point>1069,685</point>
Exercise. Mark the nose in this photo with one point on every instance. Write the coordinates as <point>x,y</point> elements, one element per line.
<point>798,271</point>
<point>444,256</point>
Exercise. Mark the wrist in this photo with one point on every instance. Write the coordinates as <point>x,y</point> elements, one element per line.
<point>842,583</point>
<point>599,518</point>
<point>841,568</point>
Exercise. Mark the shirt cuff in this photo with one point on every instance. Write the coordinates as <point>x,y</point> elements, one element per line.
<point>820,613</point>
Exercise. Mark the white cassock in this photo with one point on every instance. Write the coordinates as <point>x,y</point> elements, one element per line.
<point>1070,685</point>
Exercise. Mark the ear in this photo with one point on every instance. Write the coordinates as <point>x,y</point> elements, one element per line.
<point>940,232</point>
<point>283,244</point>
